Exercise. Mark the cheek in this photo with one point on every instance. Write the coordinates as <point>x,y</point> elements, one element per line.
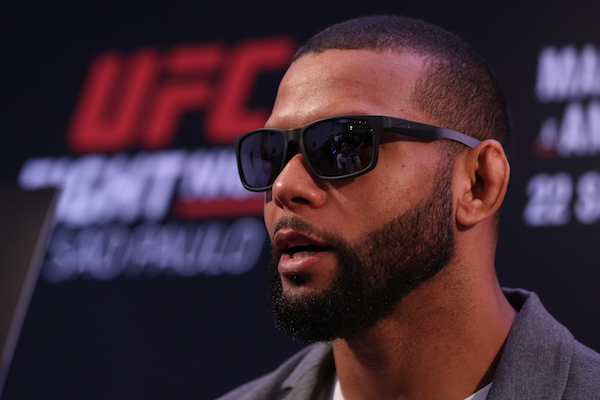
<point>269,216</point>
<point>392,190</point>
<point>368,204</point>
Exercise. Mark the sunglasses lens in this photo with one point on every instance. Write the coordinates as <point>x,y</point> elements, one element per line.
<point>339,147</point>
<point>261,156</point>
<point>335,148</point>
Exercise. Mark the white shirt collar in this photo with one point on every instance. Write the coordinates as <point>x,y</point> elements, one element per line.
<point>336,391</point>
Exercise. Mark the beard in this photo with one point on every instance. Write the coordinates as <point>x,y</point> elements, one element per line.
<point>374,273</point>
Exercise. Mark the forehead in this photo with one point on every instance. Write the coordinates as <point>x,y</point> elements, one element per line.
<point>338,82</point>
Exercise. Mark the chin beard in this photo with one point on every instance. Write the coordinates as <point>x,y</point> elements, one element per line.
<point>374,274</point>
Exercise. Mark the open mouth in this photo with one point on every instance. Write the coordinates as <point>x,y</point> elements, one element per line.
<point>303,251</point>
<point>301,259</point>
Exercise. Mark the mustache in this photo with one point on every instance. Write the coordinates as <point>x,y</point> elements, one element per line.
<point>300,225</point>
<point>296,223</point>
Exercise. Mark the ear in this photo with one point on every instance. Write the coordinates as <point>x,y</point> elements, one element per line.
<point>481,179</point>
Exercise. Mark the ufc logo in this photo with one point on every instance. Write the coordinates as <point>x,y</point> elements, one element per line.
<point>138,100</point>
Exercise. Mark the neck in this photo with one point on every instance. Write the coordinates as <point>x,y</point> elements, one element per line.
<point>443,342</point>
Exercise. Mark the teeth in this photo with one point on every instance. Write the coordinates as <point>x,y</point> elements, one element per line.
<point>297,244</point>
<point>301,254</point>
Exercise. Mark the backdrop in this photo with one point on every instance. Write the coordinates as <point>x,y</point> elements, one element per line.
<point>154,282</point>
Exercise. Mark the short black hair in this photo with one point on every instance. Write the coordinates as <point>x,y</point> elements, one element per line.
<point>457,89</point>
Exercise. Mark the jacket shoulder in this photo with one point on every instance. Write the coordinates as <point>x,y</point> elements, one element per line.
<point>584,374</point>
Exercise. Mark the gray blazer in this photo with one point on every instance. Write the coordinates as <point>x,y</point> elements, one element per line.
<point>541,360</point>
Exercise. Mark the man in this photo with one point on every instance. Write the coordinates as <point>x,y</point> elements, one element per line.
<point>391,268</point>
<point>347,161</point>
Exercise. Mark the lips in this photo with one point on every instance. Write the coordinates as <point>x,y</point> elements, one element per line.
<point>298,244</point>
<point>300,253</point>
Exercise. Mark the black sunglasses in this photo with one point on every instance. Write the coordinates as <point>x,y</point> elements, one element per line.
<point>335,148</point>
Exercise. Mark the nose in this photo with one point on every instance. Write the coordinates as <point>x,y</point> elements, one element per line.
<point>296,187</point>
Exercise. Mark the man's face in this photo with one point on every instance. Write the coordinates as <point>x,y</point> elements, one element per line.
<point>372,237</point>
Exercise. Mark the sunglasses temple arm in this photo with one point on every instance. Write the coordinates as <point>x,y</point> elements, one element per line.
<point>428,132</point>
<point>467,140</point>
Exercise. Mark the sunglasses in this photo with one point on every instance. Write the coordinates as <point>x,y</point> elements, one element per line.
<point>334,148</point>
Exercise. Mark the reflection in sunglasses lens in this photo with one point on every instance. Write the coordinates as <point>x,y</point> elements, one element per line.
<point>261,158</point>
<point>339,147</point>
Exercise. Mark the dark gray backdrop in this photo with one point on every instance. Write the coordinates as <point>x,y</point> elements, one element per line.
<point>164,335</point>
